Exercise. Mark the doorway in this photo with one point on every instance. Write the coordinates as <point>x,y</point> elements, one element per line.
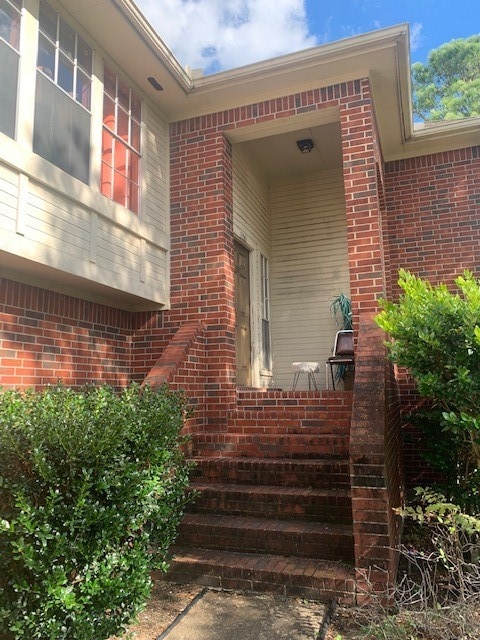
<point>242,315</point>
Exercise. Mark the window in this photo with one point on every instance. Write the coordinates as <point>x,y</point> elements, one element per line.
<point>10,14</point>
<point>62,96</point>
<point>266,350</point>
<point>63,56</point>
<point>120,174</point>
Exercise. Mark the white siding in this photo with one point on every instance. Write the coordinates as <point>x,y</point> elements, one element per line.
<point>51,229</point>
<point>156,171</point>
<point>8,199</point>
<point>252,228</point>
<point>309,267</point>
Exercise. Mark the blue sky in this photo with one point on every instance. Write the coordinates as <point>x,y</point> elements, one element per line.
<point>432,22</point>
<point>221,34</point>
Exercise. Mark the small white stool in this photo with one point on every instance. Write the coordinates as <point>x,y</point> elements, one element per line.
<point>310,368</point>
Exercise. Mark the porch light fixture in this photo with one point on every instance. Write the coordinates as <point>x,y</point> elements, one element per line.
<point>305,146</point>
<point>155,84</point>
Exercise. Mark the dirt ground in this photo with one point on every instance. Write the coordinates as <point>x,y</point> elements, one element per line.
<point>169,599</point>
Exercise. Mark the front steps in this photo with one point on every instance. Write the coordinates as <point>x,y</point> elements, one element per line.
<point>273,511</point>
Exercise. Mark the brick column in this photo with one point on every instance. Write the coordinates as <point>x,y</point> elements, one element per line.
<point>202,270</point>
<point>375,459</point>
<point>361,158</point>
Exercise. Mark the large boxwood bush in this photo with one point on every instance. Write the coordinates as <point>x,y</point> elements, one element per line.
<point>92,487</point>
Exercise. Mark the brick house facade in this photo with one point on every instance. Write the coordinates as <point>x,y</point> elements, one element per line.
<point>400,199</point>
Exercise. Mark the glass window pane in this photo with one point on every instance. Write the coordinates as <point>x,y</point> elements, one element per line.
<point>108,112</point>
<point>65,74</point>
<point>122,124</point>
<point>67,39</point>
<point>120,188</point>
<point>83,89</point>
<point>133,172</point>
<point>136,108</point>
<point>8,89</point>
<point>84,56</point>
<point>46,57</point>
<point>48,20</point>
<point>120,157</point>
<point>123,95</point>
<point>109,82</point>
<point>61,132</point>
<point>135,136</point>
<point>9,24</point>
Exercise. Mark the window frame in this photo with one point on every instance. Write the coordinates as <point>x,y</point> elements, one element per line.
<point>121,153</point>
<point>265,308</point>
<point>17,6</point>
<point>61,54</point>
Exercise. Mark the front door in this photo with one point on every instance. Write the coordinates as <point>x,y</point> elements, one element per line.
<point>242,314</point>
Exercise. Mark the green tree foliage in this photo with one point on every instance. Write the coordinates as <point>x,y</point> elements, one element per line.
<point>92,487</point>
<point>436,335</point>
<point>447,87</point>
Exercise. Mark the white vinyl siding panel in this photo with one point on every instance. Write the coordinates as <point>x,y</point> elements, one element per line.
<point>250,201</point>
<point>74,239</point>
<point>8,199</point>
<point>309,267</point>
<point>155,211</point>
<point>251,223</point>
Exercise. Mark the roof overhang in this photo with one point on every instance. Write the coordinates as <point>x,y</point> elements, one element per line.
<point>382,56</point>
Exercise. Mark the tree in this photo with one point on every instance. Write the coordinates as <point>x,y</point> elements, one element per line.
<point>436,335</point>
<point>447,87</point>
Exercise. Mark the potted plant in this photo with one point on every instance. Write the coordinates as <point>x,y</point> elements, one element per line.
<point>341,308</point>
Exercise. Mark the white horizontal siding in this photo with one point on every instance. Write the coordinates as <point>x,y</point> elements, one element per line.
<point>53,230</point>
<point>309,267</point>
<point>8,199</point>
<point>156,210</point>
<point>155,264</point>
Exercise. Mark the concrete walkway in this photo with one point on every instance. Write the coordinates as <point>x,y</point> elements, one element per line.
<point>219,615</point>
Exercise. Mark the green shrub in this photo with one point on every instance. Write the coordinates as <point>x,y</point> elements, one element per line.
<point>92,487</point>
<point>436,335</point>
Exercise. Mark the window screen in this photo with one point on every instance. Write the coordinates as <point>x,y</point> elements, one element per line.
<point>9,62</point>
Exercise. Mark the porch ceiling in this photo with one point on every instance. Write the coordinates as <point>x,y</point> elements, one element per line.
<point>278,156</point>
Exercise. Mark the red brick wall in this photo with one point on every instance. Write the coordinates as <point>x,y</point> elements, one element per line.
<point>47,336</point>
<point>433,207</point>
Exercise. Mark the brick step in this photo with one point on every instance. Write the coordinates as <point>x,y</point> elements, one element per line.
<point>317,473</point>
<point>258,535</point>
<point>331,401</point>
<point>262,573</point>
<point>270,446</point>
<point>285,424</point>
<point>285,503</point>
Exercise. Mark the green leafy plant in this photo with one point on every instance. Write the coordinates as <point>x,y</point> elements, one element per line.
<point>436,335</point>
<point>341,308</point>
<point>92,487</point>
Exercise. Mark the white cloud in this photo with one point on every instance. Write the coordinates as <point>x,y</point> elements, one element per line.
<point>222,34</point>
<point>416,38</point>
